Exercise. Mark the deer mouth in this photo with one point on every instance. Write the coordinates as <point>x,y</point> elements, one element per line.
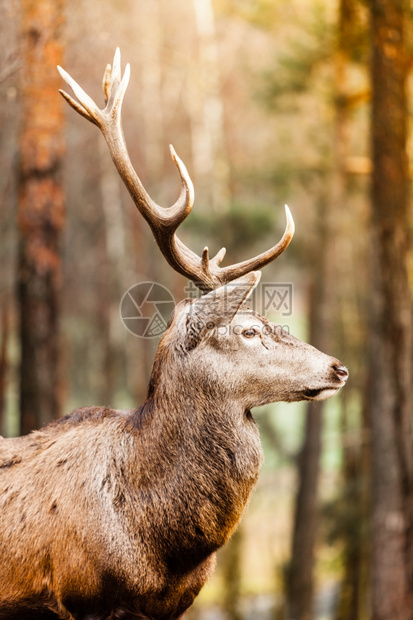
<point>339,379</point>
<point>312,394</point>
<point>321,393</point>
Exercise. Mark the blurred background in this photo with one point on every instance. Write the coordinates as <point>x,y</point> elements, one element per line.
<point>304,102</point>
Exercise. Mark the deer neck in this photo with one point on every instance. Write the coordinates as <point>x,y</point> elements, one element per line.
<point>208,456</point>
<point>191,421</point>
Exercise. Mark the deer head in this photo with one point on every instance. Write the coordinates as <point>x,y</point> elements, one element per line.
<point>276,365</point>
<point>221,346</point>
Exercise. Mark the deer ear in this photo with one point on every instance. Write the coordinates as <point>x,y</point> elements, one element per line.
<point>217,308</point>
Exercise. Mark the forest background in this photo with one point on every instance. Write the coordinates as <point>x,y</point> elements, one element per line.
<point>304,102</point>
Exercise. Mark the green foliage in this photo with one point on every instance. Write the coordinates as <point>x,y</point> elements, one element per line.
<point>260,13</point>
<point>312,49</point>
<point>294,69</point>
<point>353,33</point>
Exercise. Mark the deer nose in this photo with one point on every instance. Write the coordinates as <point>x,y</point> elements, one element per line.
<point>341,371</point>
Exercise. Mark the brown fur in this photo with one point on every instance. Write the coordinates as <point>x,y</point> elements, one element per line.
<point>118,514</point>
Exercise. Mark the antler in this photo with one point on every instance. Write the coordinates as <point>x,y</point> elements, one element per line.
<point>203,271</point>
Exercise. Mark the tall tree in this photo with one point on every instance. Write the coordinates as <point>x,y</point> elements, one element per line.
<point>231,564</point>
<point>207,112</point>
<point>4,332</point>
<point>352,46</point>
<point>391,323</point>
<point>300,581</point>
<point>9,68</point>
<point>40,211</point>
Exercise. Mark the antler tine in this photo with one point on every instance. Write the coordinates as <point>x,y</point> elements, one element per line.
<point>185,202</point>
<point>219,256</point>
<point>205,261</point>
<point>116,69</point>
<point>203,271</point>
<point>86,106</point>
<point>206,273</point>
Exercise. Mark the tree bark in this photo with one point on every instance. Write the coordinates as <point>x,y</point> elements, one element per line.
<point>207,113</point>
<point>40,211</point>
<point>353,601</point>
<point>300,580</point>
<point>390,337</point>
<point>151,97</point>
<point>355,466</point>
<point>4,334</point>
<point>231,560</point>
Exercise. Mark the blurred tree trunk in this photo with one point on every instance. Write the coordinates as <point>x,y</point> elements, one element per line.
<point>325,270</point>
<point>231,561</point>
<point>117,267</point>
<point>151,100</point>
<point>353,601</point>
<point>149,264</point>
<point>390,337</point>
<point>10,63</point>
<point>300,580</point>
<point>4,340</point>
<point>352,598</point>
<point>207,113</point>
<point>40,211</point>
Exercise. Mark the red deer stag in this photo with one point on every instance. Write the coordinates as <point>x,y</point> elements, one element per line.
<point>118,514</point>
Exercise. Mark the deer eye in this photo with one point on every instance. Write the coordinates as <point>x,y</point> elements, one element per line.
<point>250,332</point>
